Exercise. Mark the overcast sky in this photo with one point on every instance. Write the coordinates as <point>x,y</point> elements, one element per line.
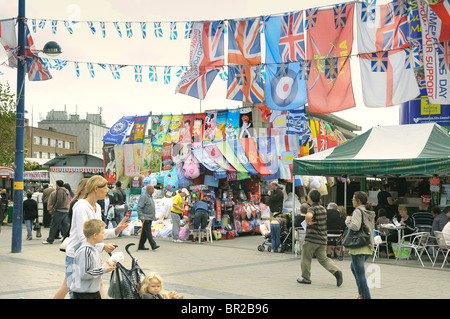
<point>119,97</point>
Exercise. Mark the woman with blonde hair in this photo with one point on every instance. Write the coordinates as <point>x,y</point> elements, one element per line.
<point>84,209</point>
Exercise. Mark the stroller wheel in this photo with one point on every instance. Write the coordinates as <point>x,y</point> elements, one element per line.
<point>269,249</point>
<point>261,248</point>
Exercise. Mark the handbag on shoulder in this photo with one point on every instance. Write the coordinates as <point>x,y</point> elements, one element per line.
<point>359,238</point>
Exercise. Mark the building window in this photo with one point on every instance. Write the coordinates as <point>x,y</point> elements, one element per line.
<point>45,141</point>
<point>67,145</point>
<point>60,143</point>
<point>37,140</point>
<point>36,154</point>
<point>52,142</point>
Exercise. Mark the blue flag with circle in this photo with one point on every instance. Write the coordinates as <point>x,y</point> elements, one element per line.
<point>119,130</point>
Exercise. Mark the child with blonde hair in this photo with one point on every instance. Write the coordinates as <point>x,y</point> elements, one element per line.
<point>151,288</point>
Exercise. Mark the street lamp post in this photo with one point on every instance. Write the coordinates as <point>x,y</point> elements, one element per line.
<point>51,48</point>
<point>16,246</point>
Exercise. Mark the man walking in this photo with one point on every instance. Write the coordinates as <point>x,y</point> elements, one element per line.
<point>275,199</point>
<point>45,196</point>
<point>59,209</point>
<point>146,213</point>
<point>316,241</point>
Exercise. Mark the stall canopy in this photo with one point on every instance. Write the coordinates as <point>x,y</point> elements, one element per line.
<point>415,149</point>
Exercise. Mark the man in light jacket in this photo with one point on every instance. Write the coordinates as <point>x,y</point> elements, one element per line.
<point>146,213</point>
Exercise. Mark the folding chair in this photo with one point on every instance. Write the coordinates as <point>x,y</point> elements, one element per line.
<point>335,242</point>
<point>418,243</point>
<point>443,247</point>
<point>209,230</point>
<point>380,243</point>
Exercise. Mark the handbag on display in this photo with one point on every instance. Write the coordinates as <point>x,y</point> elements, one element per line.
<point>359,238</point>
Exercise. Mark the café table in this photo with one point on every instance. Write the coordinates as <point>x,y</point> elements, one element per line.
<point>399,229</point>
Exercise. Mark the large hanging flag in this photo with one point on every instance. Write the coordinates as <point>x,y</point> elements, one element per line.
<point>329,47</point>
<point>268,153</point>
<point>146,157</point>
<point>221,122</point>
<point>252,153</point>
<point>209,129</point>
<point>206,58</point>
<point>8,40</point>
<point>382,37</point>
<point>109,164</point>
<point>241,156</point>
<point>186,129</point>
<point>166,157</point>
<point>285,88</point>
<point>287,150</point>
<point>162,130</point>
<point>33,64</point>
<point>297,122</point>
<point>245,81</point>
<point>203,157</point>
<point>436,57</point>
<point>230,156</point>
<point>138,131</point>
<point>278,123</point>
<point>120,161</point>
<point>246,129</point>
<point>331,136</point>
<point>217,156</point>
<point>119,130</point>
<point>129,162</point>
<point>440,24</point>
<point>197,130</point>
<point>232,126</point>
<point>173,135</point>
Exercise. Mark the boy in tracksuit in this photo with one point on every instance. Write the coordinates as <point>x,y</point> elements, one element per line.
<point>87,265</point>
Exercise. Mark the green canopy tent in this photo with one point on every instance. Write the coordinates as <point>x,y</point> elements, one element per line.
<point>404,150</point>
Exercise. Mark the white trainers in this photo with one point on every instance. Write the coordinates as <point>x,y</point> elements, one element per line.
<point>177,240</point>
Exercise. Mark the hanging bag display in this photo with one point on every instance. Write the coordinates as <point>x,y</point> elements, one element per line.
<point>359,238</point>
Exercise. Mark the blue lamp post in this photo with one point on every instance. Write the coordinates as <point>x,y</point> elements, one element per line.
<point>50,48</point>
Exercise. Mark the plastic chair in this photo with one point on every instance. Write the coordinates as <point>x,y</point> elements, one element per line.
<point>209,230</point>
<point>418,243</point>
<point>380,243</point>
<point>442,246</point>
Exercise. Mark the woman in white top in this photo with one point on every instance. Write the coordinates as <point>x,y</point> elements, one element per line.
<point>85,209</point>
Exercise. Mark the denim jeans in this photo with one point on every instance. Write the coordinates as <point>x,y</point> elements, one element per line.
<point>69,272</point>
<point>357,267</point>
<point>275,233</point>
<point>29,224</point>
<point>119,215</point>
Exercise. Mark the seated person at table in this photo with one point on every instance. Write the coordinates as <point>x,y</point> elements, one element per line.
<point>405,220</point>
<point>440,218</point>
<point>382,218</point>
<point>423,218</point>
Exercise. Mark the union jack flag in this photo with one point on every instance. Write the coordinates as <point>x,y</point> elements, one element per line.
<point>33,64</point>
<point>103,27</point>
<point>311,17</point>
<point>413,58</point>
<point>116,24</point>
<point>188,30</point>
<point>244,42</point>
<point>54,26</point>
<point>367,12</point>
<point>444,55</point>
<point>138,73</point>
<point>144,29</point>
<point>68,25</point>
<point>158,29</point>
<point>245,84</point>
<point>379,61</point>
<point>152,75</point>
<point>128,29</point>
<point>292,39</point>
<point>167,70</point>
<point>77,69</point>
<point>395,29</point>
<point>331,68</point>
<point>340,15</point>
<point>207,42</point>
<point>173,31</point>
<point>91,27</point>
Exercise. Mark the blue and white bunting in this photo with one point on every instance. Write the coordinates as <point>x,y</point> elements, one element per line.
<point>33,25</point>
<point>54,24</point>
<point>68,26</point>
<point>77,69</point>
<point>116,24</point>
<point>181,71</point>
<point>103,27</point>
<point>59,64</point>
<point>158,29</point>
<point>173,31</point>
<point>167,74</point>
<point>115,70</point>
<point>91,27</point>
<point>90,67</point>
<point>144,29</point>
<point>41,24</point>
<point>138,73</point>
<point>152,75</point>
<point>129,29</point>
<point>188,30</point>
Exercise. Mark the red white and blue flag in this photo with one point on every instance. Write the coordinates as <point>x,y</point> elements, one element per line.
<point>442,11</point>
<point>33,64</point>
<point>292,38</point>
<point>8,40</point>
<point>386,76</point>
<point>206,58</point>
<point>245,82</point>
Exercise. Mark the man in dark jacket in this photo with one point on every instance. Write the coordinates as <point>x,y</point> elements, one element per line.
<point>59,209</point>
<point>146,213</point>
<point>3,206</point>
<point>275,199</point>
<point>30,213</point>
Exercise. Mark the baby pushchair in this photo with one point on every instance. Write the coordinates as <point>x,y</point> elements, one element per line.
<point>125,283</point>
<point>285,238</point>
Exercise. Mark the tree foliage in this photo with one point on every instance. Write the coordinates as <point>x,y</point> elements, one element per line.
<point>7,126</point>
